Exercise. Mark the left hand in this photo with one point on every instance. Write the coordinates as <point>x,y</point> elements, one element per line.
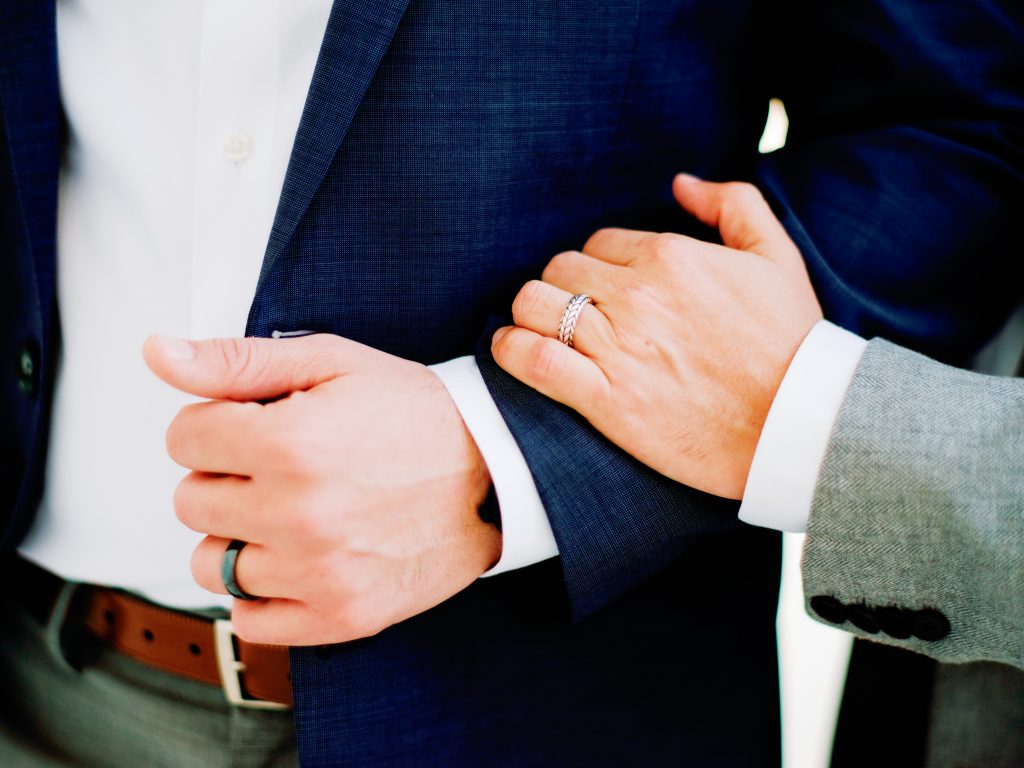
<point>680,356</point>
<point>357,491</point>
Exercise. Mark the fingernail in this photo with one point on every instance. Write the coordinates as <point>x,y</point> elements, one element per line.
<point>499,334</point>
<point>175,348</point>
<point>688,178</point>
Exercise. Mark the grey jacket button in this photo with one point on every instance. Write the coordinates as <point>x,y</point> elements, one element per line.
<point>893,621</point>
<point>829,608</point>
<point>863,618</point>
<point>929,625</point>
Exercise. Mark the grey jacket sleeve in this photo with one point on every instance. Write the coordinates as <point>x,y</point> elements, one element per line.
<point>916,535</point>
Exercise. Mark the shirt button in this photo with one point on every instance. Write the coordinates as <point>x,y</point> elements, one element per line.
<point>28,371</point>
<point>238,147</point>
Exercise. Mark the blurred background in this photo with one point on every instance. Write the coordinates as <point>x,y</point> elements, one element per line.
<point>812,657</point>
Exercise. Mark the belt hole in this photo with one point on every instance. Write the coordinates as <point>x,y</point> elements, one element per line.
<point>108,616</point>
<point>195,649</point>
<point>148,634</point>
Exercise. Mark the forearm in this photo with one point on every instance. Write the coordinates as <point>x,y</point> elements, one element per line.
<point>527,538</point>
<point>920,505</point>
<point>616,521</point>
<point>903,166</point>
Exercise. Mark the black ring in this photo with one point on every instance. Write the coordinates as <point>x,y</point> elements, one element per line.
<point>227,571</point>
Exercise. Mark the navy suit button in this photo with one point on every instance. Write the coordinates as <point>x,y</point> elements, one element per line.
<point>863,618</point>
<point>829,608</point>
<point>929,625</point>
<point>28,370</point>
<point>894,622</point>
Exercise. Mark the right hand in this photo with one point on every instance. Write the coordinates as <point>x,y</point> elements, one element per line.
<point>681,354</point>
<point>357,486</point>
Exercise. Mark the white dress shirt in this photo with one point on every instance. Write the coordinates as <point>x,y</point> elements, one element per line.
<point>182,117</point>
<point>791,449</point>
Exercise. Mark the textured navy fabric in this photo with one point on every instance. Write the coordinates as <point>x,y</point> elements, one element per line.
<point>30,122</point>
<point>447,150</point>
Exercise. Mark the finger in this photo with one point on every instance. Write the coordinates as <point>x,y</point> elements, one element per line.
<point>222,505</point>
<point>217,437</point>
<point>616,246</point>
<point>539,307</point>
<point>257,571</point>
<point>251,369</point>
<point>741,215</point>
<point>576,272</point>
<point>297,623</point>
<point>277,622</point>
<point>550,367</point>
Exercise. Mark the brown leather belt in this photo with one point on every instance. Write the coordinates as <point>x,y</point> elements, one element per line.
<point>184,644</point>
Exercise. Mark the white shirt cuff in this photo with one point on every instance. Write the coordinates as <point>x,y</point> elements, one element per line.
<point>791,449</point>
<point>527,537</point>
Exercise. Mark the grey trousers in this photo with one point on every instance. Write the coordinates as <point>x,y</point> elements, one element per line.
<point>119,712</point>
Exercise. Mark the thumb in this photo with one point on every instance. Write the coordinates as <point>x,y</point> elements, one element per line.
<point>741,215</point>
<point>244,368</point>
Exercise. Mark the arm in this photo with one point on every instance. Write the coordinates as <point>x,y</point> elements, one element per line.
<point>903,167</point>
<point>526,534</point>
<point>910,474</point>
<point>615,520</point>
<point>920,506</point>
<point>903,162</point>
<point>712,365</point>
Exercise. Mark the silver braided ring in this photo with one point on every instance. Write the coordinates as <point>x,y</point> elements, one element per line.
<point>571,316</point>
<point>227,571</point>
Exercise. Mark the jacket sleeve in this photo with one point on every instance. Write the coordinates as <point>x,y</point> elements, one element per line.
<point>903,172</point>
<point>916,536</point>
<point>904,158</point>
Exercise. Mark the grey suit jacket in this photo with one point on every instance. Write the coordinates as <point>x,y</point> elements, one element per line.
<point>916,539</point>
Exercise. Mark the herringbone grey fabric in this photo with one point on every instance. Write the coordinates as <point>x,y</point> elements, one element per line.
<point>920,504</point>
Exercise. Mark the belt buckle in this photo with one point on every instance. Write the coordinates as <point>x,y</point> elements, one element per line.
<point>231,669</point>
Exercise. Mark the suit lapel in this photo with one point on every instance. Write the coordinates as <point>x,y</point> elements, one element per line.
<point>357,37</point>
<point>30,98</point>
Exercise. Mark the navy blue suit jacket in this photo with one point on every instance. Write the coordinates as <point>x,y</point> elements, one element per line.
<point>447,150</point>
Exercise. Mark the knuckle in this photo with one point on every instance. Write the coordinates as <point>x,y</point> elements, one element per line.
<point>309,522</point>
<point>670,252</point>
<point>175,439</point>
<point>320,351</point>
<point>662,246</point>
<point>234,353</point>
<point>740,195</point>
<point>291,451</point>
<point>172,441</point>
<point>743,190</point>
<point>528,300</point>
<point>636,293</point>
<point>335,578</point>
<point>360,620</point>
<point>559,264</point>
<point>243,359</point>
<point>200,570</point>
<point>245,626</point>
<point>500,348</point>
<point>183,505</point>
<point>599,237</point>
<point>545,361</point>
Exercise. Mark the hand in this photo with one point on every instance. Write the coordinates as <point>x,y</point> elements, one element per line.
<point>681,354</point>
<point>357,491</point>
